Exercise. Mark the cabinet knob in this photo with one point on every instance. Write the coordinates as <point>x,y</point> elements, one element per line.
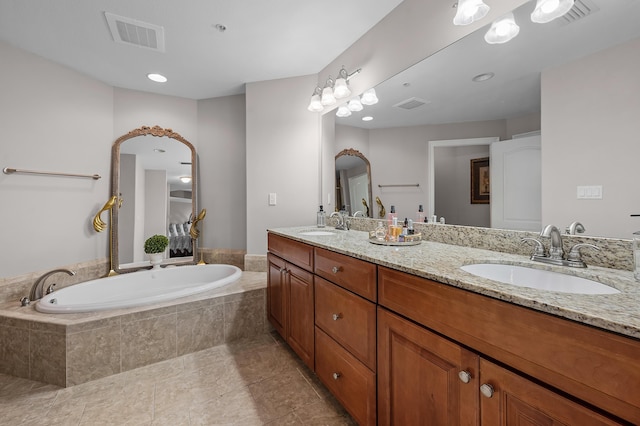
<point>336,376</point>
<point>336,269</point>
<point>336,317</point>
<point>487,390</point>
<point>465,376</point>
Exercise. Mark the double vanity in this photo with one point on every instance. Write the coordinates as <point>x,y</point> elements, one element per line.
<point>418,335</point>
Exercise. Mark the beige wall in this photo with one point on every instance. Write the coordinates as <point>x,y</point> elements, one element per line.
<point>52,119</point>
<point>283,157</point>
<point>590,131</point>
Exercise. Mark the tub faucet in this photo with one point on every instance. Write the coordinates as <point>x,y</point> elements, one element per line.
<point>37,290</point>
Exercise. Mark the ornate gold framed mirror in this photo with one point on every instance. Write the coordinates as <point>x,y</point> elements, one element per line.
<point>154,180</point>
<point>353,183</point>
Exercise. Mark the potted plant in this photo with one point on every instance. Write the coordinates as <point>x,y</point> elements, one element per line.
<point>155,247</point>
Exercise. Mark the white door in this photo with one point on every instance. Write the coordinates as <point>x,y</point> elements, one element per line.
<point>516,184</point>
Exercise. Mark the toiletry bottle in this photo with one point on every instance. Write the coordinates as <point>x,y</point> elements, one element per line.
<point>420,215</point>
<point>410,229</point>
<point>392,215</point>
<point>636,255</point>
<point>321,218</point>
<point>394,230</point>
<point>405,227</point>
<point>381,232</point>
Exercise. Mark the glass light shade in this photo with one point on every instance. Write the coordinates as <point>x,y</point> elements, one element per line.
<point>469,11</point>
<point>341,90</point>
<point>502,30</point>
<point>355,105</point>
<point>548,10</point>
<point>315,105</point>
<point>369,97</point>
<point>343,111</point>
<point>327,97</point>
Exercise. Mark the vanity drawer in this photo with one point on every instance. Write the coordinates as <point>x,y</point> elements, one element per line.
<point>292,251</point>
<point>353,384</point>
<point>348,319</point>
<point>353,274</point>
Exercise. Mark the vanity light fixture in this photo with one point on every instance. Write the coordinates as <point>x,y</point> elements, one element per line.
<point>343,111</point>
<point>341,87</point>
<point>369,97</point>
<point>185,179</point>
<point>332,91</point>
<point>315,105</point>
<point>328,98</point>
<point>502,30</point>
<point>355,105</point>
<point>469,11</point>
<point>548,10</point>
<point>158,78</point>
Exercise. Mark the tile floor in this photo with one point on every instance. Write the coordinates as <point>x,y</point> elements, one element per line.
<point>251,382</point>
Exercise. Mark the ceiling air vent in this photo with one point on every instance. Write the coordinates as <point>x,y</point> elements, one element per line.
<point>411,103</point>
<point>141,34</point>
<point>581,9</point>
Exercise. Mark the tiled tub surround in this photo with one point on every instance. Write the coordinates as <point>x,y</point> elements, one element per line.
<point>69,349</point>
<point>441,262</point>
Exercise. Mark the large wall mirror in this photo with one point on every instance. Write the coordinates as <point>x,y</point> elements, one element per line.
<point>512,95</point>
<point>353,183</point>
<point>154,177</point>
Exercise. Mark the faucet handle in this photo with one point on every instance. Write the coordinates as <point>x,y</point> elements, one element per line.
<point>539,249</point>
<point>574,253</point>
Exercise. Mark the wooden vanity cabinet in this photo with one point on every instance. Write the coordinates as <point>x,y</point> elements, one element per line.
<point>345,319</point>
<point>600,368</point>
<point>290,295</point>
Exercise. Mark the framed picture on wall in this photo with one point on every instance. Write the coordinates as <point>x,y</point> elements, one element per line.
<point>480,184</point>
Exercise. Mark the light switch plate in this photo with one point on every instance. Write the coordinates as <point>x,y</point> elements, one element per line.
<point>272,198</point>
<point>593,192</point>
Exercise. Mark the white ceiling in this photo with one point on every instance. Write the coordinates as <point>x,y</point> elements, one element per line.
<point>264,40</point>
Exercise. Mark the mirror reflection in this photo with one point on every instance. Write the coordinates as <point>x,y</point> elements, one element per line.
<point>438,100</point>
<point>153,177</point>
<point>353,183</point>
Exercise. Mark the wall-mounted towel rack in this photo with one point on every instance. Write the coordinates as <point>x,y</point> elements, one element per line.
<point>399,185</point>
<point>9,170</point>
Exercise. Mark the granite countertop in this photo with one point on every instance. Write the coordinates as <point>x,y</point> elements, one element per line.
<point>619,313</point>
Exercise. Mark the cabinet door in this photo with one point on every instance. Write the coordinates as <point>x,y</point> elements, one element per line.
<point>512,400</point>
<point>419,381</point>
<point>277,295</point>
<point>301,329</point>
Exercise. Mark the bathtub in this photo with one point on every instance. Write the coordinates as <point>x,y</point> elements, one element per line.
<point>138,288</point>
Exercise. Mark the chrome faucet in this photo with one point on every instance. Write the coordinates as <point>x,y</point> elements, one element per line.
<point>343,223</point>
<point>37,290</point>
<point>575,227</point>
<point>359,212</point>
<point>555,256</point>
<point>556,251</point>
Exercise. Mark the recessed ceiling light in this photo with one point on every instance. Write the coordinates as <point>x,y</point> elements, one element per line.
<point>483,77</point>
<point>367,118</point>
<point>158,78</point>
<point>220,27</point>
<point>185,179</point>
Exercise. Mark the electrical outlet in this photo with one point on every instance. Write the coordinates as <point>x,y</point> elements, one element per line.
<point>272,198</point>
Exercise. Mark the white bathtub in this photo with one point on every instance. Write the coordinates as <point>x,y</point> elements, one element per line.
<point>138,288</point>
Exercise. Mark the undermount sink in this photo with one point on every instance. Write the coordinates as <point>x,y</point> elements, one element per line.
<point>316,233</point>
<point>539,279</point>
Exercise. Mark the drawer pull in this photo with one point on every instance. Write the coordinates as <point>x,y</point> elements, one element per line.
<point>336,317</point>
<point>487,390</point>
<point>336,376</point>
<point>336,269</point>
<point>465,376</point>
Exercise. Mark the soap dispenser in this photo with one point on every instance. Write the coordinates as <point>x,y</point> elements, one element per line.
<point>321,219</point>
